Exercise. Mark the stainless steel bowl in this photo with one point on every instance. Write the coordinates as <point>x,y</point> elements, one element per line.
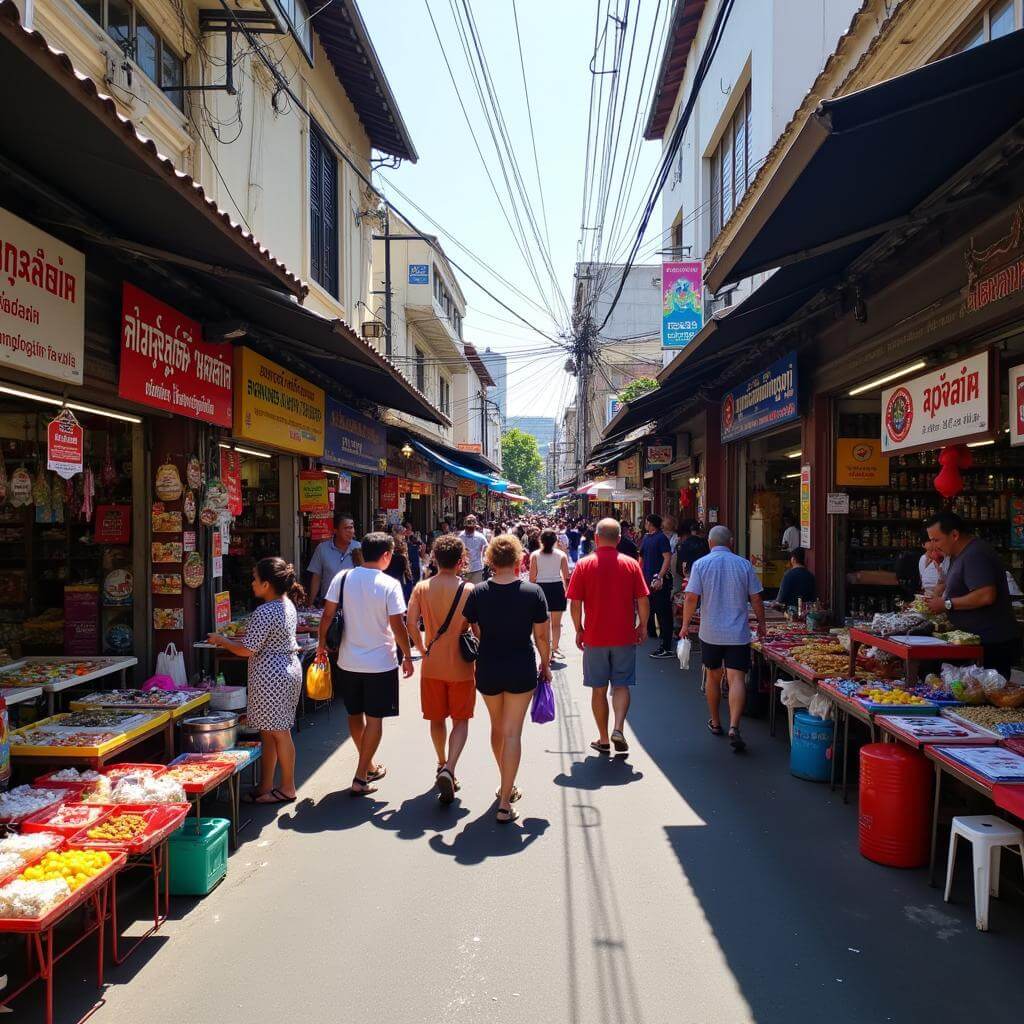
<point>209,733</point>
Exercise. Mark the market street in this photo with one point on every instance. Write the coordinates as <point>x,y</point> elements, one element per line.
<point>682,885</point>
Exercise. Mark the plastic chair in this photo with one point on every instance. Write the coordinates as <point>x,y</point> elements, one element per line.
<point>987,835</point>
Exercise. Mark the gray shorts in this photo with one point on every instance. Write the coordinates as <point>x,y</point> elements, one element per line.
<point>615,666</point>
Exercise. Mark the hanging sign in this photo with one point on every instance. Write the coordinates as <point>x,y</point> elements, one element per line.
<point>472,447</point>
<point>42,302</point>
<point>113,524</point>
<point>313,489</point>
<point>388,487</point>
<point>217,553</point>
<point>766,400</point>
<point>166,364</point>
<point>682,293</point>
<point>1017,404</point>
<point>949,405</point>
<point>353,440</point>
<point>65,445</point>
<point>344,483</point>
<point>321,526</point>
<point>277,407</point>
<point>660,451</point>
<point>231,477</point>
<point>467,488</point>
<point>221,610</point>
<point>805,507</point>
<point>860,462</point>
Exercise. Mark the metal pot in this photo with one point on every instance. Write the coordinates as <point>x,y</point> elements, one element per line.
<point>209,733</point>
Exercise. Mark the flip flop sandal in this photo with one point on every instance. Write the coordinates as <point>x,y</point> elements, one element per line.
<point>364,788</point>
<point>506,815</point>
<point>517,794</point>
<point>283,798</point>
<point>601,748</point>
<point>619,742</point>
<point>715,730</point>
<point>378,773</point>
<point>253,797</point>
<point>736,741</point>
<point>446,786</point>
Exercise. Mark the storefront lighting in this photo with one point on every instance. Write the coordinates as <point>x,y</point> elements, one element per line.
<point>407,450</point>
<point>791,476</point>
<point>793,455</point>
<point>248,451</point>
<point>980,444</point>
<point>77,406</point>
<point>895,375</point>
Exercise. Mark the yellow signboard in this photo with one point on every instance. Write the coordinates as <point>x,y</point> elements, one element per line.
<point>860,462</point>
<point>276,407</point>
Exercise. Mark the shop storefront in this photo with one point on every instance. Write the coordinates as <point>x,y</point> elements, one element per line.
<point>355,454</point>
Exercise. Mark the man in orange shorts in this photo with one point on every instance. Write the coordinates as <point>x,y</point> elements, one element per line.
<point>447,680</point>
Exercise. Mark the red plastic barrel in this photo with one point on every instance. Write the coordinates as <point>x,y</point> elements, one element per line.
<point>895,805</point>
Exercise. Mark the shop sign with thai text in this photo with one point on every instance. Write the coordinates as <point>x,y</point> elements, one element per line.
<point>805,507</point>
<point>65,445</point>
<point>313,491</point>
<point>388,486</point>
<point>660,451</point>
<point>948,405</point>
<point>353,440</point>
<point>166,364</point>
<point>860,462</point>
<point>767,400</point>
<point>1017,404</point>
<point>996,271</point>
<point>682,293</point>
<point>42,302</point>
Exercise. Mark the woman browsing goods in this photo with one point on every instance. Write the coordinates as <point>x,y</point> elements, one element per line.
<point>549,569</point>
<point>275,675</point>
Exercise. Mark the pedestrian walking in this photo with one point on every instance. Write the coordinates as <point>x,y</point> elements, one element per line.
<point>373,612</point>
<point>573,535</point>
<point>608,601</point>
<point>414,542</point>
<point>508,613</point>
<point>476,543</point>
<point>447,679</point>
<point>655,557</point>
<point>399,567</point>
<point>332,556</point>
<point>274,674</point>
<point>724,584</point>
<point>549,569</point>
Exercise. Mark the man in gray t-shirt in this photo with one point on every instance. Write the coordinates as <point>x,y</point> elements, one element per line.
<point>976,596</point>
<point>332,556</point>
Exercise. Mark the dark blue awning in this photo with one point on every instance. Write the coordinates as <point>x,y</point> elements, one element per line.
<point>494,483</point>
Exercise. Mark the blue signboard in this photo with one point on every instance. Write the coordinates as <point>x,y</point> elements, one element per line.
<point>353,440</point>
<point>765,401</point>
<point>419,273</point>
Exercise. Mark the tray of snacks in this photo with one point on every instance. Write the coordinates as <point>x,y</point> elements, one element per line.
<point>22,801</point>
<point>198,777</point>
<point>936,729</point>
<point>237,756</point>
<point>66,778</point>
<point>997,722</point>
<point>66,819</point>
<point>18,852</point>
<point>118,771</point>
<point>134,828</point>
<point>885,700</point>
<point>55,737</point>
<point>57,883</point>
<point>146,789</point>
<point>41,672</point>
<point>155,699</point>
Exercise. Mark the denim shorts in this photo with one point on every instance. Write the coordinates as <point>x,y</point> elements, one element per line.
<point>615,666</point>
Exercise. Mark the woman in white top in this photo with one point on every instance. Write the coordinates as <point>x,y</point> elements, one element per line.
<point>933,567</point>
<point>549,569</point>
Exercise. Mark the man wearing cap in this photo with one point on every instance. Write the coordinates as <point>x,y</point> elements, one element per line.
<point>476,544</point>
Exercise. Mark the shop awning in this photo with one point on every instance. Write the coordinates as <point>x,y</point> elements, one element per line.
<point>596,488</point>
<point>492,482</point>
<point>867,163</point>
<point>509,496</point>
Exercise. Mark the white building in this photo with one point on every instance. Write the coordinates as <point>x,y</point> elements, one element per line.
<point>497,367</point>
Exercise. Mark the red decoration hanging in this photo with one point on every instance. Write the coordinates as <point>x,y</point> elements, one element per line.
<point>685,497</point>
<point>952,459</point>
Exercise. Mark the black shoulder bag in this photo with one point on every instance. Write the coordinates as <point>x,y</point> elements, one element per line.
<point>469,646</point>
<point>336,630</point>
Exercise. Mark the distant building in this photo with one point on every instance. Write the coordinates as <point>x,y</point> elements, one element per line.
<point>540,427</point>
<point>497,367</point>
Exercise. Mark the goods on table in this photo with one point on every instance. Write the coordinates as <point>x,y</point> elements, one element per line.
<point>73,775</point>
<point>75,867</point>
<point>194,774</point>
<point>40,673</point>
<point>932,727</point>
<point>959,636</point>
<point>1005,721</point>
<point>236,628</point>
<point>933,688</point>
<point>155,698</point>
<point>27,899</point>
<point>877,695</point>
<point>121,828</point>
<point>1003,692</point>
<point>97,792</point>
<point>147,789</point>
<point>824,664</point>
<point>31,844</point>
<point>119,771</point>
<point>97,720</point>
<point>74,816</point>
<point>907,623</point>
<point>24,800</point>
<point>993,763</point>
<point>237,756</point>
<point>10,863</point>
<point>62,738</point>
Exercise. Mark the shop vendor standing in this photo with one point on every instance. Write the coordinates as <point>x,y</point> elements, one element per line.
<point>340,552</point>
<point>976,596</point>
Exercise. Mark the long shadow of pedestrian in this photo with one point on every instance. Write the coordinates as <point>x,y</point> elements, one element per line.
<point>598,772</point>
<point>485,837</point>
<point>418,815</point>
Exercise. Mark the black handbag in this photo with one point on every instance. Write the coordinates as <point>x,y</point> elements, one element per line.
<point>336,630</point>
<point>469,646</point>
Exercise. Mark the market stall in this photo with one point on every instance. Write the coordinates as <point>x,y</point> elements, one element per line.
<point>56,674</point>
<point>93,738</point>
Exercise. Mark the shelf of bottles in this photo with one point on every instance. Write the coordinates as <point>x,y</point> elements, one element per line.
<point>255,534</point>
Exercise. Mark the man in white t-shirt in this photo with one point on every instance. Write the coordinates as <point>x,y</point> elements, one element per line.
<point>476,543</point>
<point>373,611</point>
<point>933,567</point>
<point>791,533</point>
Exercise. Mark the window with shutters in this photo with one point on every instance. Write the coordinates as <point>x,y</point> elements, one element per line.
<point>421,370</point>
<point>730,166</point>
<point>446,396</point>
<point>323,213</point>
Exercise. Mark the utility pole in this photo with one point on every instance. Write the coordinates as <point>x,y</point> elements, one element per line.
<point>387,280</point>
<point>584,342</point>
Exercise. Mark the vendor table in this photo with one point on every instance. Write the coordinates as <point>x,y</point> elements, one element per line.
<point>175,712</point>
<point>892,730</point>
<point>1010,792</point>
<point>912,654</point>
<point>233,780</point>
<point>846,707</point>
<point>108,666</point>
<point>54,755</point>
<point>38,933</point>
<point>19,694</point>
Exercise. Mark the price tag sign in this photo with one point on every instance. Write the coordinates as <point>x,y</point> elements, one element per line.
<point>838,504</point>
<point>65,445</point>
<point>221,609</point>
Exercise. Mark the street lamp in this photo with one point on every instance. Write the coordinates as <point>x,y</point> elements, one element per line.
<point>406,450</point>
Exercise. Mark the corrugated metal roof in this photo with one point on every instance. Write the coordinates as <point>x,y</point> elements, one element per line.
<point>686,17</point>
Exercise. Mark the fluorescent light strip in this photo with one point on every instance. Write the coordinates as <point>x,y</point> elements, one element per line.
<point>895,375</point>
<point>77,406</point>
<point>979,444</point>
<point>791,476</point>
<point>247,451</point>
<point>793,455</point>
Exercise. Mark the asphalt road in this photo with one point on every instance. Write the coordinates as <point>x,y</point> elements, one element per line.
<point>682,884</point>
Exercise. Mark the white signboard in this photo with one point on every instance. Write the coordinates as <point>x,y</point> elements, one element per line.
<point>42,302</point>
<point>944,406</point>
<point>1017,404</point>
<point>837,503</point>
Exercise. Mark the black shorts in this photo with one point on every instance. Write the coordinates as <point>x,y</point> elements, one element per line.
<point>735,656</point>
<point>370,693</point>
<point>554,594</point>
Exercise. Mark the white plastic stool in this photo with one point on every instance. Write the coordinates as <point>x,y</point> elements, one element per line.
<point>987,835</point>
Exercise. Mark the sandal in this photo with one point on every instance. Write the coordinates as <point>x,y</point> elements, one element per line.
<point>445,783</point>
<point>619,742</point>
<point>601,748</point>
<point>516,795</point>
<point>737,742</point>
<point>378,773</point>
<point>364,788</point>
<point>254,796</point>
<point>715,730</point>
<point>506,815</point>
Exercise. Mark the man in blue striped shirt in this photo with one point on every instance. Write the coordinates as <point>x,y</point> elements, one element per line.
<point>724,583</point>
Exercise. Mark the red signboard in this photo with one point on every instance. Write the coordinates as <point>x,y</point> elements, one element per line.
<point>388,492</point>
<point>321,526</point>
<point>113,524</point>
<point>231,477</point>
<point>65,445</point>
<point>166,364</point>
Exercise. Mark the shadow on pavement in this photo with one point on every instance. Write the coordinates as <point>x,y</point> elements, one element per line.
<point>597,772</point>
<point>484,838</point>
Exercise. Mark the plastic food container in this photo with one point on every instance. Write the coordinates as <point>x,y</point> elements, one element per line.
<point>209,733</point>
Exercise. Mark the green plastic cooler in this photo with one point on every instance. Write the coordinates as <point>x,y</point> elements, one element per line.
<point>199,856</point>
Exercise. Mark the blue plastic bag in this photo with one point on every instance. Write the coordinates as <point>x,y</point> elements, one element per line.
<point>543,707</point>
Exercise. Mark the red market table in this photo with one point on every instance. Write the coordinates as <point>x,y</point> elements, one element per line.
<point>893,731</point>
<point>846,708</point>
<point>912,654</point>
<point>38,933</point>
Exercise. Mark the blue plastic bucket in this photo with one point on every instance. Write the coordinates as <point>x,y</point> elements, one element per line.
<point>809,755</point>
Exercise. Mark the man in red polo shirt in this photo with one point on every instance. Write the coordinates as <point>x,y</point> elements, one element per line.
<point>609,606</point>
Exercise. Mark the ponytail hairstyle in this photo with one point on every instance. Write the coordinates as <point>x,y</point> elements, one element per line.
<point>547,541</point>
<point>281,577</point>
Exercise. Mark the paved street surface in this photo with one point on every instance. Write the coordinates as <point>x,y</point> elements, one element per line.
<point>684,884</point>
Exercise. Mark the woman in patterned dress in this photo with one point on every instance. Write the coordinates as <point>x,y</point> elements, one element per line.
<point>275,675</point>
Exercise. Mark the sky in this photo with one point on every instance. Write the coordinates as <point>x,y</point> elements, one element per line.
<point>449,182</point>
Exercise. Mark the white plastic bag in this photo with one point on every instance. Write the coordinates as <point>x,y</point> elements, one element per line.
<point>683,652</point>
<point>171,662</point>
<point>820,706</point>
